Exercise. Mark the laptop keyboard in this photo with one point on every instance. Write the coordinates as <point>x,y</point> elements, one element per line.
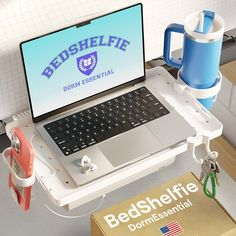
<point>98,123</point>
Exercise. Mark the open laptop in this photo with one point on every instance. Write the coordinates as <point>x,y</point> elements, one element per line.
<point>88,95</point>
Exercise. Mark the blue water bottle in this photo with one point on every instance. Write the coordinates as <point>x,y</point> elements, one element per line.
<point>199,66</point>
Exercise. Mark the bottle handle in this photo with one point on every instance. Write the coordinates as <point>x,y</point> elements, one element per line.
<point>177,28</point>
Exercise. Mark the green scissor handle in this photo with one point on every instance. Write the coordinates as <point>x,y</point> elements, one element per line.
<point>212,176</point>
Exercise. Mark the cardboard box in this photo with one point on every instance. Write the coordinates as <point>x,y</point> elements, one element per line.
<point>179,206</point>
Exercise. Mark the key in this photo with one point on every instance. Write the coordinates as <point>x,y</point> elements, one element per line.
<point>217,173</point>
<point>206,169</point>
<point>217,179</point>
<point>215,168</point>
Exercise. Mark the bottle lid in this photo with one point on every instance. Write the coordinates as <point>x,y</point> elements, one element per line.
<point>204,26</point>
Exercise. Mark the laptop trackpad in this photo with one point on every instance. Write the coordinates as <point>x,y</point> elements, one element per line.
<point>127,147</point>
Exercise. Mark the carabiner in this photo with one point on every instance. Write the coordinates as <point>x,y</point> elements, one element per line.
<point>212,176</point>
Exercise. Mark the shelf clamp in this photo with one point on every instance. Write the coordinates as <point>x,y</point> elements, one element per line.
<point>180,86</point>
<point>206,141</point>
<point>22,182</point>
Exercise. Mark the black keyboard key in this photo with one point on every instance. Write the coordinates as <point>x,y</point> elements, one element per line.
<point>138,104</point>
<point>72,136</point>
<point>67,151</point>
<point>75,122</point>
<point>95,127</point>
<point>123,98</point>
<point>80,139</point>
<point>81,114</point>
<point>124,109</point>
<point>144,101</point>
<point>102,124</point>
<point>68,132</point>
<point>117,106</point>
<point>129,95</point>
<point>144,113</point>
<point>75,129</point>
<point>122,115</point>
<point>136,92</point>
<point>83,145</point>
<point>80,126</point>
<point>88,130</point>
<point>165,112</point>
<point>67,119</point>
<point>137,116</point>
<point>58,135</point>
<point>109,103</point>
<point>109,121</point>
<point>89,111</point>
<point>95,134</point>
<point>52,131</point>
<point>129,113</point>
<point>110,115</point>
<point>151,98</point>
<point>75,148</point>
<point>143,120</point>
<point>158,114</point>
<point>95,109</point>
<point>89,123</point>
<point>118,112</point>
<point>110,110</point>
<point>64,147</point>
<point>113,132</point>
<point>81,120</point>
<point>157,109</point>
<point>79,133</point>
<point>51,126</point>
<point>123,103</point>
<point>65,126</point>
<point>103,117</point>
<point>96,120</point>
<point>109,127</point>
<point>88,117</point>
<point>103,111</point>
<point>91,141</point>
<point>116,119</point>
<point>63,140</point>
<point>137,98</point>
<point>102,131</point>
<point>130,106</point>
<point>116,124</point>
<point>134,122</point>
<point>102,106</point>
<point>96,114</point>
<point>145,95</point>
<point>136,111</point>
<point>75,116</point>
<point>116,100</point>
<point>154,104</point>
<point>143,90</point>
<point>60,122</point>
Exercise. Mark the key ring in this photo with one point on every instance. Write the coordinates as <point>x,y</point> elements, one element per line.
<point>212,176</point>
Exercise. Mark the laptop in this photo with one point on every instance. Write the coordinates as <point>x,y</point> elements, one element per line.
<point>89,97</point>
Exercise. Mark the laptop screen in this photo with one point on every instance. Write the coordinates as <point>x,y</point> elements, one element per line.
<point>83,60</point>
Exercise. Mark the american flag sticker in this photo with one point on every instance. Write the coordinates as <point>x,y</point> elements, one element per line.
<point>172,229</point>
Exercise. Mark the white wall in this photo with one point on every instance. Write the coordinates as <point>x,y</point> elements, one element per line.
<point>24,19</point>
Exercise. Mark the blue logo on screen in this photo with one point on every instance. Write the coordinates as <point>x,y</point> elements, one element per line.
<point>87,63</point>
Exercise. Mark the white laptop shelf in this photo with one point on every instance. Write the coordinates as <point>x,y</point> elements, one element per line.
<point>63,191</point>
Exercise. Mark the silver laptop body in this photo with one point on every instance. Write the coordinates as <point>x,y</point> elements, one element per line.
<point>122,149</point>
